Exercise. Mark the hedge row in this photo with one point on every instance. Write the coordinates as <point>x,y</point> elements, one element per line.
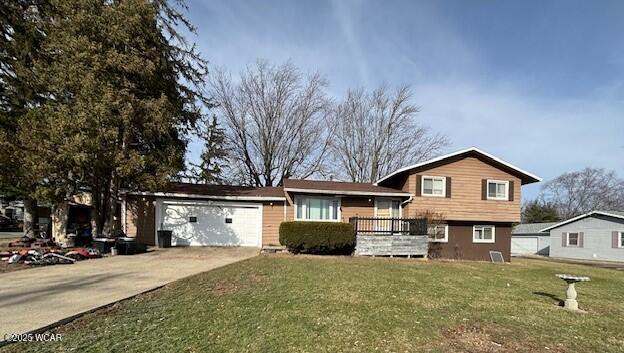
<point>317,237</point>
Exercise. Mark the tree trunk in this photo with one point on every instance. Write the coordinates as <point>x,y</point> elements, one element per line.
<point>97,207</point>
<point>110,210</point>
<point>31,217</point>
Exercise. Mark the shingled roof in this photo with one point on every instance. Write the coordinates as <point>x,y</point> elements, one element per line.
<point>339,188</point>
<point>225,190</point>
<point>531,228</point>
<point>218,191</point>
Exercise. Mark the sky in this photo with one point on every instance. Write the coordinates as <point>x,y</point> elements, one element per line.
<point>539,84</point>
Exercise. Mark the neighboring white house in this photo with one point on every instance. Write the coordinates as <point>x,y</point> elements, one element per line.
<point>528,239</point>
<point>597,235</point>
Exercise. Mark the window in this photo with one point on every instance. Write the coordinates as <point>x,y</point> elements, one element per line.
<point>387,208</point>
<point>573,239</point>
<point>433,186</point>
<point>621,240</point>
<point>483,234</point>
<point>317,208</point>
<point>439,233</point>
<point>497,190</point>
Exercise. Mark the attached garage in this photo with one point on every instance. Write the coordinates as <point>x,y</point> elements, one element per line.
<point>206,215</point>
<point>211,223</point>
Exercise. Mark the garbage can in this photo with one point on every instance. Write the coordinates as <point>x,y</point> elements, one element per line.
<point>164,238</point>
<point>128,246</point>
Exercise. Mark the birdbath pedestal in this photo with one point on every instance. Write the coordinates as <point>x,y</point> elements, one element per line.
<point>570,302</point>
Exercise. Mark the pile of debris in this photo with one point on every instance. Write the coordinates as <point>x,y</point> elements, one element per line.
<point>28,242</point>
<point>50,256</point>
<point>43,252</point>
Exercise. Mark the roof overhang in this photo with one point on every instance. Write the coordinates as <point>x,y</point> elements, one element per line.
<point>526,179</point>
<point>354,193</point>
<point>207,197</point>
<point>589,214</point>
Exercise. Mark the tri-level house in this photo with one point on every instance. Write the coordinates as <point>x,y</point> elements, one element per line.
<point>473,196</point>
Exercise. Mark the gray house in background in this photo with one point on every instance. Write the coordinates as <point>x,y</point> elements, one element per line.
<point>597,235</point>
<point>528,239</point>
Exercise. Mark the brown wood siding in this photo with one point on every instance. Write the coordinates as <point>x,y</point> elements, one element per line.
<point>272,217</point>
<point>461,246</point>
<point>140,219</point>
<point>465,203</point>
<point>356,206</point>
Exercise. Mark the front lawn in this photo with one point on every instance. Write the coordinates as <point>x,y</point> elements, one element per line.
<point>314,304</point>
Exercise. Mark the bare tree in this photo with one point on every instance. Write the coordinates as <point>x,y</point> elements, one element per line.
<point>377,133</point>
<point>583,191</point>
<point>277,122</point>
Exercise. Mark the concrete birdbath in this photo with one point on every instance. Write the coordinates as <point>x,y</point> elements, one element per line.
<point>570,302</point>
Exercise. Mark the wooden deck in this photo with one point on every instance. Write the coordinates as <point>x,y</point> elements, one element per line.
<point>390,236</point>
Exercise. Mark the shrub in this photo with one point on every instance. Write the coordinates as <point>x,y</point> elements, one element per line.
<point>317,237</point>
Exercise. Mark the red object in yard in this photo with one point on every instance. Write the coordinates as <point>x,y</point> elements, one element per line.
<point>79,253</point>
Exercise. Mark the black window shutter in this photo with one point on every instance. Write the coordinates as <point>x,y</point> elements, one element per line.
<point>483,189</point>
<point>448,187</point>
<point>511,190</point>
<point>418,184</point>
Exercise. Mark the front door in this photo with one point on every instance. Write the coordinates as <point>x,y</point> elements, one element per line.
<point>387,208</point>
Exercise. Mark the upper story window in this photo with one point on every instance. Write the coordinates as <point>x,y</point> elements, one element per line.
<point>439,233</point>
<point>309,208</point>
<point>483,234</point>
<point>433,186</point>
<point>497,190</point>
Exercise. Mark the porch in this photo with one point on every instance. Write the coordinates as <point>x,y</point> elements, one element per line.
<point>381,236</point>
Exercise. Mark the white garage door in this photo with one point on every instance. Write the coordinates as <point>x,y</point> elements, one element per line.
<point>216,224</point>
<point>524,245</point>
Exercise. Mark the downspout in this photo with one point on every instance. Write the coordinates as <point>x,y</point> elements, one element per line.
<point>285,210</point>
<point>402,205</point>
<point>407,201</point>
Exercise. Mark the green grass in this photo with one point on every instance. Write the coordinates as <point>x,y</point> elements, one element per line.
<point>314,304</point>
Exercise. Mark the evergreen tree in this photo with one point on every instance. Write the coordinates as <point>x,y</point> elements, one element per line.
<point>214,155</point>
<point>123,90</point>
<point>21,36</point>
<point>537,211</point>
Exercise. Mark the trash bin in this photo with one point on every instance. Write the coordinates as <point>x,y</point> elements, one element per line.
<point>104,245</point>
<point>128,246</point>
<point>164,238</point>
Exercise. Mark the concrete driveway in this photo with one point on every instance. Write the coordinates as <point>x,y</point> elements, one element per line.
<point>36,298</point>
<point>10,235</point>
